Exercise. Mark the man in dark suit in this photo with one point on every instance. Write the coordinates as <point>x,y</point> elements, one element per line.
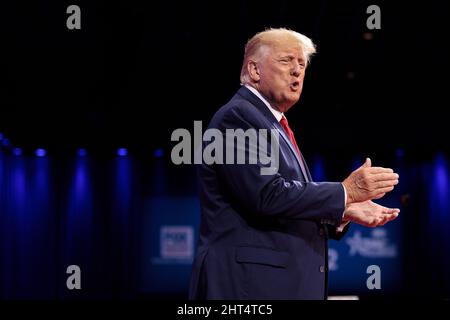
<point>265,236</point>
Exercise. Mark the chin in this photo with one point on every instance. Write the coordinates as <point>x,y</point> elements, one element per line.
<point>293,99</point>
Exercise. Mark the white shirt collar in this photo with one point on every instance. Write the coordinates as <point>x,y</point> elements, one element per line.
<point>277,114</point>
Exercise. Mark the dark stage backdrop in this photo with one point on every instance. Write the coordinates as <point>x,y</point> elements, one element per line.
<point>86,118</point>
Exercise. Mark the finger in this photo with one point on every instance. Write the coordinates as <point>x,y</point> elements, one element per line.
<point>371,224</point>
<point>388,218</point>
<point>392,211</point>
<point>376,222</point>
<point>385,210</point>
<point>391,217</point>
<point>385,219</point>
<point>382,190</point>
<point>384,176</point>
<point>375,170</point>
<point>385,184</point>
<point>379,196</point>
<point>379,193</point>
<point>366,164</point>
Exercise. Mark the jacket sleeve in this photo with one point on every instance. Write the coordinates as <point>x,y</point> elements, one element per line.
<point>274,195</point>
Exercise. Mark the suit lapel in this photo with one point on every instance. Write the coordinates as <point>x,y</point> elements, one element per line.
<point>248,95</point>
<point>300,162</point>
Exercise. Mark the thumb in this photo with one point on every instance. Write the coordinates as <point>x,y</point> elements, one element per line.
<point>367,164</point>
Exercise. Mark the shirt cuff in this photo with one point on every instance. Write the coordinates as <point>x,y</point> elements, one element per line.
<point>345,199</point>
<point>342,226</point>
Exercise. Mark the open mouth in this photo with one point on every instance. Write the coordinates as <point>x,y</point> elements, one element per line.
<point>295,85</point>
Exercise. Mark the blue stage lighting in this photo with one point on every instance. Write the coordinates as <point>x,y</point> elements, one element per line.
<point>122,152</point>
<point>159,153</point>
<point>41,152</point>
<point>17,152</point>
<point>5,142</point>
<point>82,152</point>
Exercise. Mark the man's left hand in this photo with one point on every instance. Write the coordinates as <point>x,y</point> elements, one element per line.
<point>369,214</point>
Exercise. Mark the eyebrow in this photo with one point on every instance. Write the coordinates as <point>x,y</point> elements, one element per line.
<point>291,57</point>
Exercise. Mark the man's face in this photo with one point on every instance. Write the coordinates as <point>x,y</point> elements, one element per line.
<point>281,72</point>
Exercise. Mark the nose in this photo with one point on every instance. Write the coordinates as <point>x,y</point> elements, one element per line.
<point>296,70</point>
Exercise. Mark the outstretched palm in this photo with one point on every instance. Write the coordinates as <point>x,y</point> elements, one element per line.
<point>369,214</point>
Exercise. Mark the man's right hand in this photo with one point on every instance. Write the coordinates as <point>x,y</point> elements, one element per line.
<point>367,183</point>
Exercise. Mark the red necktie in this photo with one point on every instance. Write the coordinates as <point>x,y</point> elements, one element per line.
<point>285,125</point>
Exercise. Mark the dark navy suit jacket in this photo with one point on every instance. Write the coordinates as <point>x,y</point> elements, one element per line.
<point>262,236</point>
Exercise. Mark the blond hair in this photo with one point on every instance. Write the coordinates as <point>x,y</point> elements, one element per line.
<point>256,46</point>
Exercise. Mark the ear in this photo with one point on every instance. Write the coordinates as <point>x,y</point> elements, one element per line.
<point>253,71</point>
